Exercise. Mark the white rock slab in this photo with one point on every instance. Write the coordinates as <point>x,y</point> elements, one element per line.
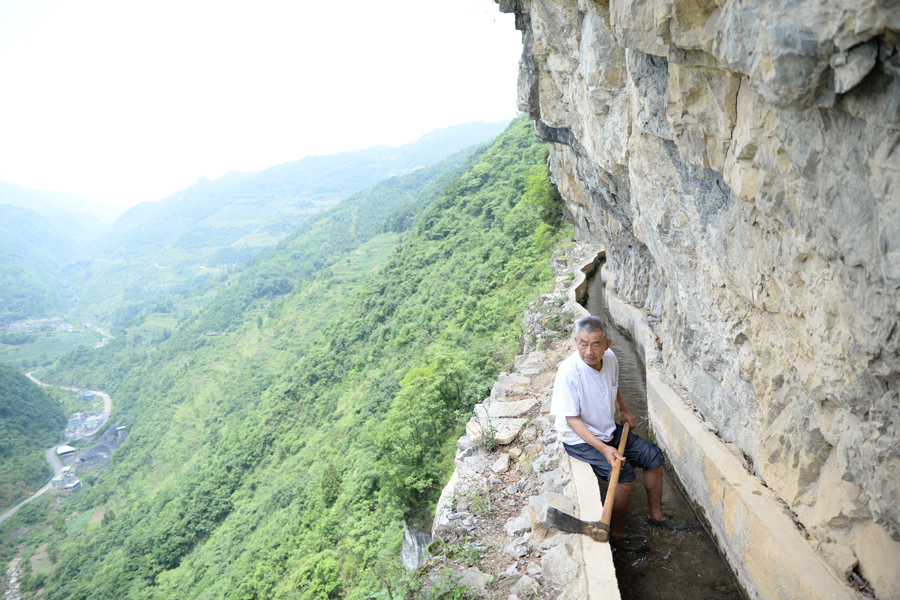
<point>514,408</point>
<point>507,429</point>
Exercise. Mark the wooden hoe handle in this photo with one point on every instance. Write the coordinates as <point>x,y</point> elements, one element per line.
<point>603,529</point>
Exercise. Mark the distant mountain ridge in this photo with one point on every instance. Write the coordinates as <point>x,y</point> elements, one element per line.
<point>56,247</point>
<point>257,209</point>
<point>48,201</point>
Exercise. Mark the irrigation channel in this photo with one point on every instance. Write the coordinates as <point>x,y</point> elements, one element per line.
<point>679,564</point>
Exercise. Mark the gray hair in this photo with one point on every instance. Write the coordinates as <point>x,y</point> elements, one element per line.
<point>591,325</point>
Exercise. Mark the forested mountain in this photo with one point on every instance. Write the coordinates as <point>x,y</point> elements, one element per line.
<point>40,232</point>
<point>279,458</point>
<point>77,263</point>
<point>124,291</point>
<point>74,206</point>
<point>32,249</point>
<point>30,422</point>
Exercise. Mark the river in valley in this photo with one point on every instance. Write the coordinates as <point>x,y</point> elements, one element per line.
<point>684,564</point>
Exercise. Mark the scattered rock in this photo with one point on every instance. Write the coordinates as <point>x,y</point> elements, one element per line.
<point>515,549</point>
<point>546,463</point>
<point>476,463</point>
<point>516,525</point>
<point>554,481</point>
<point>511,580</point>
<point>532,449</point>
<point>464,448</point>
<point>501,465</point>
<point>524,585</point>
<point>545,405</point>
<point>558,565</point>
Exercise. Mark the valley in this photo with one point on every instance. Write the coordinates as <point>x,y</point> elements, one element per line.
<point>336,350</point>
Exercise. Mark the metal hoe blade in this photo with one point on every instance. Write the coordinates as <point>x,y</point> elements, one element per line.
<point>561,521</point>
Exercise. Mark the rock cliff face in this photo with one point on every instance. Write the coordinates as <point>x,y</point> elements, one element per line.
<point>739,159</point>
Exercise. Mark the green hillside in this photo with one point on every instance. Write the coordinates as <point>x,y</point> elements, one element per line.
<point>32,250</point>
<point>46,202</point>
<point>120,291</point>
<point>58,253</point>
<point>30,422</point>
<point>278,458</point>
<point>257,209</point>
<point>103,288</point>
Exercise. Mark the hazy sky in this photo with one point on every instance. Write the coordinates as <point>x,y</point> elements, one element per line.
<point>130,101</point>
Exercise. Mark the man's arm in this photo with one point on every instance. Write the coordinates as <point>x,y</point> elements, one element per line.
<point>624,414</point>
<point>578,426</point>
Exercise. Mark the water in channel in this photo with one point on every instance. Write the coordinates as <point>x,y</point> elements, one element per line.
<point>684,564</point>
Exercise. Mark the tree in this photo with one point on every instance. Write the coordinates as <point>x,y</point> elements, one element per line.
<point>331,485</point>
<point>423,412</point>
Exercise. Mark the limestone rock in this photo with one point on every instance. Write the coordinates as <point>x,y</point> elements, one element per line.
<point>509,385</point>
<point>537,510</point>
<point>851,66</point>
<point>524,585</point>
<point>498,410</point>
<point>501,464</point>
<point>412,553</point>
<point>558,566</point>
<point>545,405</point>
<point>533,449</point>
<point>471,577</point>
<point>738,162</point>
<point>531,364</point>
<point>517,525</point>
<point>840,557</point>
<point>516,548</point>
<point>511,580</point>
<point>507,429</point>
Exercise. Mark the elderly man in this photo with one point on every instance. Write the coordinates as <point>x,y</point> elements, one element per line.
<point>584,394</point>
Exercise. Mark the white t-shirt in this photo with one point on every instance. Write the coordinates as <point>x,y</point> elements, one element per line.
<point>581,390</point>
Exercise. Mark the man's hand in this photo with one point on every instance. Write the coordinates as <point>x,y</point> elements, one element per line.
<point>627,417</point>
<point>585,434</point>
<point>612,455</point>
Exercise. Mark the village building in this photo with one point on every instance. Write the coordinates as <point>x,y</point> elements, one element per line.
<point>77,420</point>
<point>66,481</point>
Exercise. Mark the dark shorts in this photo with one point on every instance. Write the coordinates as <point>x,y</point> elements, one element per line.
<point>638,453</point>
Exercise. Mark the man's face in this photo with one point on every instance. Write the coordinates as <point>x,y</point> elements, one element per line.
<point>591,347</point>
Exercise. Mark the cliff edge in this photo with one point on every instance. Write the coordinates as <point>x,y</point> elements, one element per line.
<point>739,161</point>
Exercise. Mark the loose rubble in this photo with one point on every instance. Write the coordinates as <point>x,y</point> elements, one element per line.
<point>490,527</point>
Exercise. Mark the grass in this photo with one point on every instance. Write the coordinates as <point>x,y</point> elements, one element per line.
<point>79,522</point>
<point>367,258</point>
<point>47,347</point>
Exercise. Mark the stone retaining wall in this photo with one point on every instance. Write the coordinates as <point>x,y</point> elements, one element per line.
<point>530,470</point>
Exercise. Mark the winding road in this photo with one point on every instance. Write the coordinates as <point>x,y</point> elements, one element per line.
<point>51,455</point>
